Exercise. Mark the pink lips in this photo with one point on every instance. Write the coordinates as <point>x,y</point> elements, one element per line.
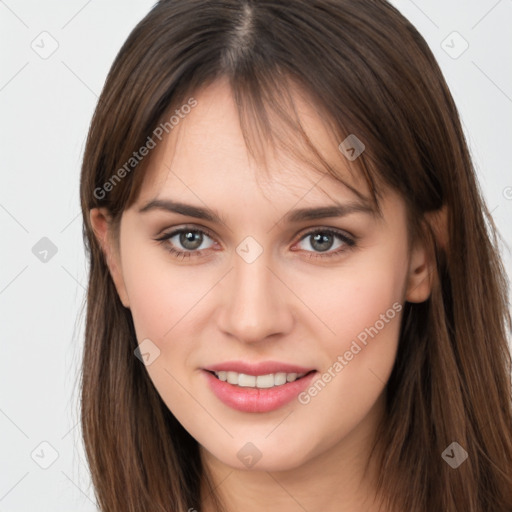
<point>263,368</point>
<point>247,399</point>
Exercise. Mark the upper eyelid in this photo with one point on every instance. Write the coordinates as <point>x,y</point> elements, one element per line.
<point>175,231</point>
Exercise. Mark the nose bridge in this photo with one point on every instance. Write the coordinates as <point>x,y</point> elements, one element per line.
<point>255,305</point>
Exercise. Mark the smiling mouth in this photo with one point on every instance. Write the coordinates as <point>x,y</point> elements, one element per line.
<point>267,381</point>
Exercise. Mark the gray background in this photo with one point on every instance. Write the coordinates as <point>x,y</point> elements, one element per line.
<point>47,101</point>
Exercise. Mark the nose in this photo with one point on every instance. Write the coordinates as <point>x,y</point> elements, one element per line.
<point>255,301</point>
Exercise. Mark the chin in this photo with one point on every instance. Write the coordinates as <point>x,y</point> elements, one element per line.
<point>275,460</point>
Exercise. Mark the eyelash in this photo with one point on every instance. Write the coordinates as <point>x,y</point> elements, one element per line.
<point>348,241</point>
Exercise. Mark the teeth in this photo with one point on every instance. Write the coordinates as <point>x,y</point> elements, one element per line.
<point>260,381</point>
<point>279,379</point>
<point>265,381</point>
<point>246,381</point>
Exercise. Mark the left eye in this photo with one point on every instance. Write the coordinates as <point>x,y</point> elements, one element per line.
<point>188,239</point>
<point>321,241</point>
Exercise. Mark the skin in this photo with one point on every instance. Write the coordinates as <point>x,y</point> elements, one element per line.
<point>284,306</point>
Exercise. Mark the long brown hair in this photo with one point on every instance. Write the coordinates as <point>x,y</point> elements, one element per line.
<point>369,73</point>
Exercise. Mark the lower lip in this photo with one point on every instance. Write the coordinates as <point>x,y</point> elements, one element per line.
<point>256,399</point>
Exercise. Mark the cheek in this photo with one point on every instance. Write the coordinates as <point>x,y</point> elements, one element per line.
<point>162,295</point>
<point>164,300</point>
<point>358,361</point>
<point>362,305</point>
<point>357,297</point>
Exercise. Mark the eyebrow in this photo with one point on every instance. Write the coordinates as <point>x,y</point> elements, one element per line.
<point>294,216</point>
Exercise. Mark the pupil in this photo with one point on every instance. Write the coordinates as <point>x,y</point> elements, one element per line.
<point>322,242</point>
<point>191,240</point>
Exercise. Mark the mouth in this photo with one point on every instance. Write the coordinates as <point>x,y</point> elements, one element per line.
<point>263,388</point>
<point>266,381</point>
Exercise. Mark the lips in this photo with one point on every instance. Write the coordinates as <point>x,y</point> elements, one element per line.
<point>255,400</point>
<point>253,391</point>
<point>262,368</point>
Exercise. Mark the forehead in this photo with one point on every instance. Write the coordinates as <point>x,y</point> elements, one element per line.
<point>206,152</point>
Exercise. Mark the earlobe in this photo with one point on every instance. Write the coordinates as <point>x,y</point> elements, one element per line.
<point>419,283</point>
<point>100,222</point>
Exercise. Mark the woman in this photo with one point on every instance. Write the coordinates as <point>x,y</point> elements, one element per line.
<point>295,296</point>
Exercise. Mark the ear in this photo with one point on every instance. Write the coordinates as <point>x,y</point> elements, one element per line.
<point>419,278</point>
<point>100,221</point>
<point>422,261</point>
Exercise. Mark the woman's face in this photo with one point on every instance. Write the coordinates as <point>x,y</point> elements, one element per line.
<point>266,286</point>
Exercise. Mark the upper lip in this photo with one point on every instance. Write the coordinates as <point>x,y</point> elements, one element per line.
<point>261,368</point>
